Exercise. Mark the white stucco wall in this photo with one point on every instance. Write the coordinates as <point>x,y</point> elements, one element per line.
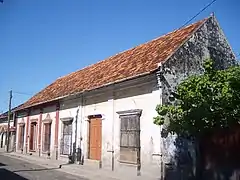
<point>3,135</point>
<point>68,109</point>
<point>144,95</point>
<point>35,115</point>
<point>20,120</point>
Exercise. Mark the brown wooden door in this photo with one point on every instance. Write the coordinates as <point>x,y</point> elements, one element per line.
<point>22,136</point>
<point>31,140</point>
<point>95,139</point>
<point>20,132</point>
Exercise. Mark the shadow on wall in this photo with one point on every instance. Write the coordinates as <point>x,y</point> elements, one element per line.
<point>180,165</point>
<point>6,174</point>
<point>220,157</point>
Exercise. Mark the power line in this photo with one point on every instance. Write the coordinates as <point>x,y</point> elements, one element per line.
<point>22,93</point>
<point>198,13</point>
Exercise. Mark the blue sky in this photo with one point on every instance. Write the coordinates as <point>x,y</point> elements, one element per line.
<point>41,40</point>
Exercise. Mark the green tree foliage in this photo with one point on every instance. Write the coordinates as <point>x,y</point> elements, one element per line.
<point>204,103</point>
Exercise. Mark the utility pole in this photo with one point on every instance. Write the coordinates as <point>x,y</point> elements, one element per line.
<point>9,117</point>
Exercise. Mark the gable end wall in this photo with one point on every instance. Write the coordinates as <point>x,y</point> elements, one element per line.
<point>207,42</point>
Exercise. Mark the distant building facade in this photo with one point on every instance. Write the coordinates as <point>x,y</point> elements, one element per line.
<point>4,130</point>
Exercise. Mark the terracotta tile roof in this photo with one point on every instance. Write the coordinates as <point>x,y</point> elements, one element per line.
<point>5,114</point>
<point>133,62</point>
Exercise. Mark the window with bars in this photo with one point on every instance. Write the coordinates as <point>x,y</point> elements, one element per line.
<point>47,137</point>
<point>66,140</point>
<point>21,136</point>
<point>130,136</point>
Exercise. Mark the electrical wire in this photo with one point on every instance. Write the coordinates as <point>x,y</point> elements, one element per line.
<point>22,93</point>
<point>203,9</point>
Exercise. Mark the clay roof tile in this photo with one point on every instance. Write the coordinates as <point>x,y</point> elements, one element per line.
<point>133,62</point>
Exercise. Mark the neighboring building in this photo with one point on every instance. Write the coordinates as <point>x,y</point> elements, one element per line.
<point>106,110</point>
<point>3,131</point>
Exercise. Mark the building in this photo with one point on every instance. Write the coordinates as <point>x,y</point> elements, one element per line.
<point>105,111</point>
<point>4,129</point>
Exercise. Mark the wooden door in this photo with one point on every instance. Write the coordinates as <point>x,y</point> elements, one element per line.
<point>22,136</point>
<point>95,139</point>
<point>31,140</point>
<point>33,136</point>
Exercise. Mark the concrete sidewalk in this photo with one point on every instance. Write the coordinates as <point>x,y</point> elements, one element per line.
<point>85,171</point>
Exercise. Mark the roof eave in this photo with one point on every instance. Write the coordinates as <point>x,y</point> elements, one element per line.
<point>78,93</point>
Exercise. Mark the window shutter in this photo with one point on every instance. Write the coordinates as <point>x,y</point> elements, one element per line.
<point>129,136</point>
<point>66,139</point>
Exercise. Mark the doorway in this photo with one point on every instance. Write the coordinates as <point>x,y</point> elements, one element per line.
<point>2,137</point>
<point>33,137</point>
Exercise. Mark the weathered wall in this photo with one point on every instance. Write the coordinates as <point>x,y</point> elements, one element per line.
<point>48,113</point>
<point>207,42</point>
<point>34,115</point>
<point>3,135</point>
<point>141,93</point>
<point>69,108</point>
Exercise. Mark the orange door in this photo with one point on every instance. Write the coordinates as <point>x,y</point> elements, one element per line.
<point>95,139</point>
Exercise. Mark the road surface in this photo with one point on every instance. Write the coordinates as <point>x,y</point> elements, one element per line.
<point>15,169</point>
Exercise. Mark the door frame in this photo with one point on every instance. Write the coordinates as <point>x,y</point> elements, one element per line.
<point>33,136</point>
<point>21,135</point>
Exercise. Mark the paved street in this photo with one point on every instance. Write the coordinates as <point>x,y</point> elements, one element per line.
<point>14,169</point>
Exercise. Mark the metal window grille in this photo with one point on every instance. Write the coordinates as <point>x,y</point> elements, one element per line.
<point>66,140</point>
<point>47,137</point>
<point>130,138</point>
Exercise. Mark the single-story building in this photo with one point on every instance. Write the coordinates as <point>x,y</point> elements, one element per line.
<point>4,130</point>
<point>103,113</point>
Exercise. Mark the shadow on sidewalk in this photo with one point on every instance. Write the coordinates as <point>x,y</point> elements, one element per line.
<point>1,164</point>
<point>41,169</point>
<point>6,174</point>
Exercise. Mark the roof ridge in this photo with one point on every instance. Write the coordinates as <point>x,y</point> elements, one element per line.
<point>202,22</point>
